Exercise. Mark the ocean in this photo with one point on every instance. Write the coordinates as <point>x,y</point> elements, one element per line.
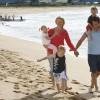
<point>76,22</point>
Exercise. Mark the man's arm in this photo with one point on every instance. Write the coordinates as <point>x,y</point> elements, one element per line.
<point>81,41</point>
<point>51,56</point>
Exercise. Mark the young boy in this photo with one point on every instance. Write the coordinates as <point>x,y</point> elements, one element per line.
<point>59,67</point>
<point>46,39</point>
<point>94,11</point>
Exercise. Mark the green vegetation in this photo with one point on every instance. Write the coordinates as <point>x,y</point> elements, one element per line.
<point>69,1</point>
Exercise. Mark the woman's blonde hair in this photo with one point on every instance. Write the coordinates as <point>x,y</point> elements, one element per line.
<point>60,19</point>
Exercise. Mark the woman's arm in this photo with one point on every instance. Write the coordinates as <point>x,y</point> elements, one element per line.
<point>68,41</point>
<point>51,56</point>
<point>49,38</point>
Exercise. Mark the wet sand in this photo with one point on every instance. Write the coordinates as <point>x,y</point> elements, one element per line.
<point>31,10</point>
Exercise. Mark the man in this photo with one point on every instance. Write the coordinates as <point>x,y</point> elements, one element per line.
<point>93,52</point>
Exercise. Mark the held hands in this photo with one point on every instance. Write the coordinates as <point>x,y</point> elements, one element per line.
<point>76,53</point>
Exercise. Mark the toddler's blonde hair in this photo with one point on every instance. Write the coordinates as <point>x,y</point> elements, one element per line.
<point>61,47</point>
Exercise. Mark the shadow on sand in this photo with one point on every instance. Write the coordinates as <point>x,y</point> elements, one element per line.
<point>84,96</point>
<point>40,96</point>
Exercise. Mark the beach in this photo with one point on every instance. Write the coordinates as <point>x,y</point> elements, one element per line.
<point>22,78</point>
<point>25,79</point>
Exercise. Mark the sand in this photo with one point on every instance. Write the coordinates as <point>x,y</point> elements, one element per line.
<point>22,78</point>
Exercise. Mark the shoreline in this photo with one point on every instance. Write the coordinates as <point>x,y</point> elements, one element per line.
<point>68,52</point>
<point>30,10</point>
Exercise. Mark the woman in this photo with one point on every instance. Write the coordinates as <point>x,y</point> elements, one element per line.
<point>61,35</point>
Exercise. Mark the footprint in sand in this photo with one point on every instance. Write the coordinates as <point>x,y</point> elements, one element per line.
<point>39,96</point>
<point>30,81</point>
<point>41,82</point>
<point>82,87</point>
<point>16,86</point>
<point>36,85</point>
<point>17,91</point>
<point>86,86</point>
<point>7,81</point>
<point>1,79</point>
<point>72,93</point>
<point>98,96</point>
<point>25,93</point>
<point>75,82</point>
<point>39,91</point>
<point>25,85</point>
<point>77,98</point>
<point>39,70</point>
<point>41,74</point>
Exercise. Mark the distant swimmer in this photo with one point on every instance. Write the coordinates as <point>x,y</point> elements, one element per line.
<point>0,17</point>
<point>5,17</point>
<point>2,23</point>
<point>8,17</point>
<point>21,18</point>
<point>13,17</point>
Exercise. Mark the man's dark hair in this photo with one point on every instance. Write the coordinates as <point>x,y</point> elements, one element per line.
<point>96,19</point>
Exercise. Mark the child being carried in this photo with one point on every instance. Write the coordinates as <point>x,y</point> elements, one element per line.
<point>46,39</point>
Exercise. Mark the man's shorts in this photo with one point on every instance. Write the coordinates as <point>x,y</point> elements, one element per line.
<point>59,76</point>
<point>94,63</point>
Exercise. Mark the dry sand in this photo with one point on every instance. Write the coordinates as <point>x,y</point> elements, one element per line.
<point>22,78</point>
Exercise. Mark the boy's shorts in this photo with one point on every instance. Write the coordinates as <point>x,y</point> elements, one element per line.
<point>59,76</point>
<point>94,63</point>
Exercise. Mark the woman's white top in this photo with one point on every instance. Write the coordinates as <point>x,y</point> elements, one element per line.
<point>44,40</point>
